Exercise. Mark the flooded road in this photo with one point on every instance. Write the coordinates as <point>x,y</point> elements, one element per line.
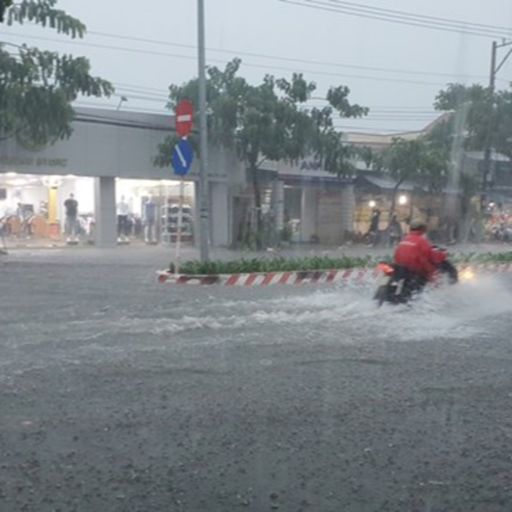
<point>121,394</point>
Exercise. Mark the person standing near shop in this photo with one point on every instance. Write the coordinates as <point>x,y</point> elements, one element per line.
<point>150,209</point>
<point>71,226</point>
<point>394,230</point>
<point>373,232</point>
<point>123,211</point>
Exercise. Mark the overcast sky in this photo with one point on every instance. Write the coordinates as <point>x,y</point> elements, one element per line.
<point>334,43</point>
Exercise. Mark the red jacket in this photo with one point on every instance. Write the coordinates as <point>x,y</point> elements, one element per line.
<point>416,254</point>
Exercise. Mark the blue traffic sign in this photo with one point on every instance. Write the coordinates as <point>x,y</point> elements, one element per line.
<point>182,157</point>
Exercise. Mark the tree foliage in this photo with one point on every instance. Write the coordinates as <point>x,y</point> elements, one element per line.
<point>271,121</point>
<point>422,161</point>
<point>487,116</point>
<point>37,87</point>
<point>402,160</point>
<point>4,4</point>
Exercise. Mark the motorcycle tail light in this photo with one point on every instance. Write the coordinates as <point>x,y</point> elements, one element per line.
<point>386,269</point>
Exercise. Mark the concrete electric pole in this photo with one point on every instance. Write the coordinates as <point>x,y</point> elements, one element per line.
<point>495,68</point>
<point>204,211</point>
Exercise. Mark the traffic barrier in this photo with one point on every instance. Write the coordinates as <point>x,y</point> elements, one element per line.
<point>348,276</point>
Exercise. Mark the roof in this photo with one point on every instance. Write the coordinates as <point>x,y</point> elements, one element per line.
<point>387,183</point>
<point>386,139</point>
<point>378,139</point>
<point>125,118</point>
<point>480,155</point>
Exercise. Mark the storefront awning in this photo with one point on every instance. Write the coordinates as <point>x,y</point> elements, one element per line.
<point>385,183</point>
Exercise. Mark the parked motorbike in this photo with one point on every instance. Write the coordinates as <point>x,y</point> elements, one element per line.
<point>397,285</point>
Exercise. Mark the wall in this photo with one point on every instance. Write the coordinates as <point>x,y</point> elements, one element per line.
<point>309,214</point>
<point>330,213</point>
<point>113,144</point>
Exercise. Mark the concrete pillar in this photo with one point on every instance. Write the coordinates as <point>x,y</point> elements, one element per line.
<point>197,214</point>
<point>220,226</point>
<point>105,212</point>
<point>53,205</point>
<point>55,229</point>
<point>348,208</point>
<point>308,216</point>
<point>279,204</point>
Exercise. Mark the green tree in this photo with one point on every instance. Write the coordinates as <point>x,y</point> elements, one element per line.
<point>4,4</point>
<point>487,116</point>
<point>403,161</point>
<point>37,87</point>
<point>269,122</point>
<point>477,103</point>
<point>436,148</point>
<point>481,119</point>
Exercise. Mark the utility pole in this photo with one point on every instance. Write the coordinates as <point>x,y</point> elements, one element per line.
<point>204,211</point>
<point>495,68</point>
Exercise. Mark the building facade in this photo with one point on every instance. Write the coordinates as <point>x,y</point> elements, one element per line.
<point>110,158</point>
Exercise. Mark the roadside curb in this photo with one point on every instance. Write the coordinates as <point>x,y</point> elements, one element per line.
<point>347,276</point>
<point>270,278</point>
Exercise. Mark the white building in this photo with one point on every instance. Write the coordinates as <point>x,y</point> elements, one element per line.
<point>111,154</point>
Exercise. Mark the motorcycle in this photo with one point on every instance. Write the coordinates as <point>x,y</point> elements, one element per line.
<point>397,285</point>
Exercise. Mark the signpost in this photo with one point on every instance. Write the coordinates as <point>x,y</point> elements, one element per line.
<point>182,158</point>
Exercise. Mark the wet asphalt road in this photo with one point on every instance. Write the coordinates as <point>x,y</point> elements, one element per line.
<point>119,394</point>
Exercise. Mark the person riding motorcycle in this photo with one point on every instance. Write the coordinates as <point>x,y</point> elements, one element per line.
<point>417,256</point>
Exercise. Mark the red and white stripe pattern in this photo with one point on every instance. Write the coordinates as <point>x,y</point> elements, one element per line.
<point>359,275</point>
<point>350,276</point>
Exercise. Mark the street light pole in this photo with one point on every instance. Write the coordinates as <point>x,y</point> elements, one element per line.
<point>204,222</point>
<point>495,68</point>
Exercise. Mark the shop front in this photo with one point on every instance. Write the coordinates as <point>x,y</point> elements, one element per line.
<point>318,206</point>
<point>108,167</point>
<point>32,205</point>
<point>408,202</point>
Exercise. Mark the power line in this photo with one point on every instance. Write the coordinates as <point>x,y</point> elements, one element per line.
<point>279,58</point>
<point>147,93</point>
<point>275,57</point>
<point>156,90</point>
<point>380,130</point>
<point>464,24</point>
<point>133,93</point>
<point>392,115</point>
<point>251,65</point>
<point>83,117</point>
<point>143,97</point>
<point>374,115</point>
<point>128,108</point>
<point>337,124</point>
<point>271,57</point>
<point>401,20</point>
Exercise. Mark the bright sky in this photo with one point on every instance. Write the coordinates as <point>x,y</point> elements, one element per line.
<point>395,69</point>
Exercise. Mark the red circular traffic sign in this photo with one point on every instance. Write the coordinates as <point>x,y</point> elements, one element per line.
<point>184,118</point>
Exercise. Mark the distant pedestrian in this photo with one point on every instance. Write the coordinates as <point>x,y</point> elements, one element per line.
<point>373,232</point>
<point>394,230</point>
<point>71,207</point>
<point>123,224</point>
<point>150,211</point>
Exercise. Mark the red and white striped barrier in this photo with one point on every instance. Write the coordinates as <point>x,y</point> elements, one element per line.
<point>270,278</point>
<point>350,276</point>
